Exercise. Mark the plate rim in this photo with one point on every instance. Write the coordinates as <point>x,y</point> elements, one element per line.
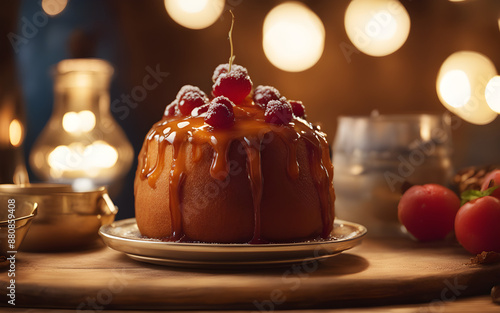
<point>221,263</point>
<point>212,255</point>
<point>362,230</point>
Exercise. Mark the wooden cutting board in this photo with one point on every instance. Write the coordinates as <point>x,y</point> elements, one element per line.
<point>379,272</point>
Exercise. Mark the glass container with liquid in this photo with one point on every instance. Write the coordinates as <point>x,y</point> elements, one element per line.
<point>375,156</point>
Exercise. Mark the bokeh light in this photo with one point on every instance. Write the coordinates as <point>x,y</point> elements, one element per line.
<point>79,157</point>
<point>461,86</point>
<point>293,37</point>
<point>377,27</point>
<point>492,94</point>
<point>194,14</point>
<point>54,7</point>
<point>83,121</point>
<point>15,133</point>
<point>455,88</point>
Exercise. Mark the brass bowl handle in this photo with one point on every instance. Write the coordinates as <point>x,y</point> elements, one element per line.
<point>107,209</point>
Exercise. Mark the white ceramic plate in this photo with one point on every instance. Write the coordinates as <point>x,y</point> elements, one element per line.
<point>124,236</point>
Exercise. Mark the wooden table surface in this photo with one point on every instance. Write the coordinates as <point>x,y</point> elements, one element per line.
<point>481,304</point>
<point>399,273</point>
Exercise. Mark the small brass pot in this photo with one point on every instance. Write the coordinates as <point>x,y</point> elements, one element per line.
<point>66,219</point>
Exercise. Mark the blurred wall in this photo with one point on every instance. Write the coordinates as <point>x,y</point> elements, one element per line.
<point>134,35</point>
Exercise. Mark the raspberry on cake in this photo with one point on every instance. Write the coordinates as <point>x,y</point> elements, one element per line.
<point>298,108</point>
<point>220,113</point>
<point>263,94</point>
<point>278,112</point>
<point>242,167</point>
<point>234,84</point>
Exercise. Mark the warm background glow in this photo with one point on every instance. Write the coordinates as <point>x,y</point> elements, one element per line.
<point>194,14</point>
<point>461,86</point>
<point>377,27</point>
<point>293,37</point>
<point>140,35</point>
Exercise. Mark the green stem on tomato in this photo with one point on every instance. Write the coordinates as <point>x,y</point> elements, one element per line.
<point>469,195</point>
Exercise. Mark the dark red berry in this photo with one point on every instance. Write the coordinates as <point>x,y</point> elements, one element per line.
<point>171,109</point>
<point>224,68</point>
<point>200,110</point>
<point>278,112</point>
<point>225,101</point>
<point>188,88</point>
<point>235,85</point>
<point>189,101</point>
<point>220,114</point>
<point>263,94</point>
<point>298,108</point>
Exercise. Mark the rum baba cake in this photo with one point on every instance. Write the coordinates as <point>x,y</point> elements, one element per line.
<point>242,167</point>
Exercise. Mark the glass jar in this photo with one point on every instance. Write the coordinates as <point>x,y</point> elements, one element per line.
<point>82,144</point>
<point>375,157</point>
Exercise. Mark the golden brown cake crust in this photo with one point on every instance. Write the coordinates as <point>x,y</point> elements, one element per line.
<point>223,211</point>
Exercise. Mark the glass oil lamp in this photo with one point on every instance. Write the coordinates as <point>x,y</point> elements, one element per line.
<point>82,144</point>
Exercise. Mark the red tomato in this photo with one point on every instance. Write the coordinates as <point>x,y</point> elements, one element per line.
<point>428,211</point>
<point>477,225</point>
<point>495,176</point>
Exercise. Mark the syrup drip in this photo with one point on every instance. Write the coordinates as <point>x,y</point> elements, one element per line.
<point>322,172</point>
<point>250,129</point>
<point>219,169</point>
<point>292,140</point>
<point>321,181</point>
<point>255,175</point>
<point>328,182</point>
<point>158,168</point>
<point>196,153</point>
<point>176,178</point>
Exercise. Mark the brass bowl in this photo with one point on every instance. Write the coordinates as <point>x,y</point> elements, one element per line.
<point>18,213</point>
<point>66,219</point>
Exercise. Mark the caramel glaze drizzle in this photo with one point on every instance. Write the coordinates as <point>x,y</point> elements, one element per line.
<point>255,174</point>
<point>250,129</point>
